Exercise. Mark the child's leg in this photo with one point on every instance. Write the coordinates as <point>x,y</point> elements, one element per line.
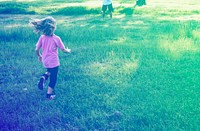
<point>53,80</point>
<point>104,8</point>
<point>46,75</point>
<point>103,14</point>
<point>42,81</point>
<point>110,8</point>
<point>110,14</point>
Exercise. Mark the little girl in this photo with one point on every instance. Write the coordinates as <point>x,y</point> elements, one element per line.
<point>49,44</point>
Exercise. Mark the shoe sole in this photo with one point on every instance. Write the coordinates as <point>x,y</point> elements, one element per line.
<point>51,97</point>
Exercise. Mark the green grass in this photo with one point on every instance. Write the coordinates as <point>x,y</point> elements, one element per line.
<point>76,11</point>
<point>129,73</point>
<point>59,7</point>
<point>14,8</point>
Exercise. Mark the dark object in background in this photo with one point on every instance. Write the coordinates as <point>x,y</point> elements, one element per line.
<point>140,2</point>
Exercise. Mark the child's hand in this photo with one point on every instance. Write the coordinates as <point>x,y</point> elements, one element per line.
<point>68,50</point>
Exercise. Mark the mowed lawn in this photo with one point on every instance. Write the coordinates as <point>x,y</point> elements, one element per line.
<point>137,71</point>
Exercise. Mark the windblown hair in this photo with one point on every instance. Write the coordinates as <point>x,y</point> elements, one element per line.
<point>45,26</point>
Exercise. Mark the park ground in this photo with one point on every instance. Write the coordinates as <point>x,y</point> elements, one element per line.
<point>137,71</point>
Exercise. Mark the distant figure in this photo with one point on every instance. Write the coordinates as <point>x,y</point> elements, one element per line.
<point>140,2</point>
<point>49,43</point>
<point>107,4</point>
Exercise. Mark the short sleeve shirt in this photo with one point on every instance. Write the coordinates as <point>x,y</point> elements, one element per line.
<point>49,46</point>
<point>107,2</point>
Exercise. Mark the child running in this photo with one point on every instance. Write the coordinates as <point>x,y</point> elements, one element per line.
<point>49,44</point>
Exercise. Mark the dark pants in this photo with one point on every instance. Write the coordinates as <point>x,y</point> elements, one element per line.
<point>53,76</point>
<point>110,8</point>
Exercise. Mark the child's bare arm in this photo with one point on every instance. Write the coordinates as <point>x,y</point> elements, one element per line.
<point>66,50</point>
<point>39,55</point>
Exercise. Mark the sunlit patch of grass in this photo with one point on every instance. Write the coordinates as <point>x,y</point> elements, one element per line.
<point>196,34</point>
<point>113,69</point>
<point>178,47</point>
<point>159,12</point>
<point>177,39</point>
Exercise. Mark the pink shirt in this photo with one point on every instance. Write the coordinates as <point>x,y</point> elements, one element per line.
<point>50,45</point>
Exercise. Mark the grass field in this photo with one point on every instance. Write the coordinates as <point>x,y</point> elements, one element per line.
<point>138,71</point>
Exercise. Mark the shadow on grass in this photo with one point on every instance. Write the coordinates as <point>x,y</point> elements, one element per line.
<point>128,11</point>
<point>14,8</point>
<point>76,11</point>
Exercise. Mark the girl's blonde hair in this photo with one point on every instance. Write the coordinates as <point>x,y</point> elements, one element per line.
<point>46,26</point>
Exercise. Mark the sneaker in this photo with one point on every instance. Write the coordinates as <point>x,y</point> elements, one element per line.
<point>41,83</point>
<point>50,96</point>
